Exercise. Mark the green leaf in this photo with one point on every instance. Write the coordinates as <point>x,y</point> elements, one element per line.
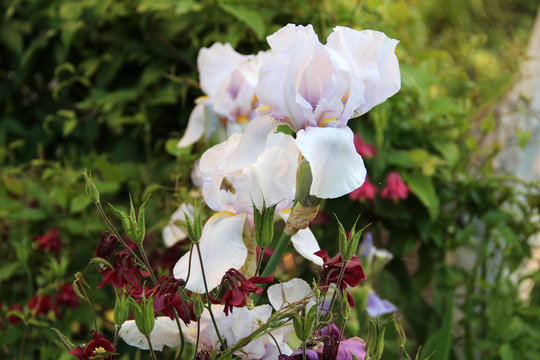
<point>248,16</point>
<point>79,203</point>
<point>422,186</point>
<point>8,270</point>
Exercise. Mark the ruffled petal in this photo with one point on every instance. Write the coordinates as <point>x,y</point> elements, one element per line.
<point>195,127</point>
<point>215,66</point>
<point>289,292</point>
<point>165,333</point>
<point>336,167</point>
<point>221,248</point>
<point>376,306</point>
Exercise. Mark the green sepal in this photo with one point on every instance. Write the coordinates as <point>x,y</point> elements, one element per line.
<point>127,222</point>
<point>194,227</point>
<point>144,315</point>
<point>310,321</point>
<point>298,327</point>
<point>121,309</point>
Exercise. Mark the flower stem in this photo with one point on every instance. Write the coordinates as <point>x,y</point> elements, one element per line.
<point>259,263</point>
<point>179,354</point>
<point>209,307</point>
<point>279,251</point>
<point>197,341</point>
<point>152,353</point>
<point>146,262</point>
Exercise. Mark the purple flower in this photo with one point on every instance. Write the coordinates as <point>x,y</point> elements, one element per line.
<point>375,306</point>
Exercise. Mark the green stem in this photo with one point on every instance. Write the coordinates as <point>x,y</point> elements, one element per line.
<point>259,262</point>
<point>198,334</point>
<point>152,353</point>
<point>116,331</point>
<point>209,307</point>
<point>146,262</point>
<point>279,251</point>
<point>179,354</point>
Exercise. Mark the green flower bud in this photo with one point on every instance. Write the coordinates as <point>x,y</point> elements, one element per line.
<point>264,224</point>
<point>144,315</point>
<point>198,306</point>
<point>121,309</point>
<point>91,188</point>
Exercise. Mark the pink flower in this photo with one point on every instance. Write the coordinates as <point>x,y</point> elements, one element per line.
<point>364,149</point>
<point>395,188</point>
<point>366,191</point>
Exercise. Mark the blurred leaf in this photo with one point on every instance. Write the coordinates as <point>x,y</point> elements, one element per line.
<point>6,271</point>
<point>422,187</point>
<point>248,16</point>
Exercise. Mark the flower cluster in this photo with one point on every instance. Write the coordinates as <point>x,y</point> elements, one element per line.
<point>256,175</point>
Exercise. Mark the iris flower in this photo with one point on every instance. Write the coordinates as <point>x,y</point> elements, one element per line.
<point>228,79</point>
<point>315,89</point>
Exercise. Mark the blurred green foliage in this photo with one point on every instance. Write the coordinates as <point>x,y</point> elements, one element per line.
<point>108,85</point>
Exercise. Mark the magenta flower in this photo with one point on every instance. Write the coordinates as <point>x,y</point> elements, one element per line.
<point>364,149</point>
<point>366,191</point>
<point>395,188</point>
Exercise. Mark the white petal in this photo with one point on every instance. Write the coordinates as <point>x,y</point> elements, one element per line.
<point>165,333</point>
<point>289,292</point>
<point>215,66</point>
<point>251,145</point>
<point>336,166</point>
<point>173,233</point>
<point>304,242</point>
<point>221,248</point>
<point>195,126</point>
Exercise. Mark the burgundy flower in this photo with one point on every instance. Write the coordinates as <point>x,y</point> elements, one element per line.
<point>203,355</point>
<point>123,272</point>
<point>364,149</point>
<point>67,297</point>
<point>366,191</point>
<point>353,275</point>
<point>167,299</point>
<point>395,188</point>
<point>50,242</point>
<point>41,305</point>
<point>106,245</point>
<point>14,319</point>
<point>98,348</point>
<point>237,288</point>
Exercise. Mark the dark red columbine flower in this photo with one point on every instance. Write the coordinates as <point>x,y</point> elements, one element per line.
<point>50,242</point>
<point>395,188</point>
<point>203,355</point>
<point>67,297</point>
<point>167,299</point>
<point>362,148</point>
<point>366,191</point>
<point>98,349</point>
<point>41,305</point>
<point>123,272</point>
<point>14,319</point>
<point>353,275</point>
<point>237,288</point>
<point>106,245</point>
